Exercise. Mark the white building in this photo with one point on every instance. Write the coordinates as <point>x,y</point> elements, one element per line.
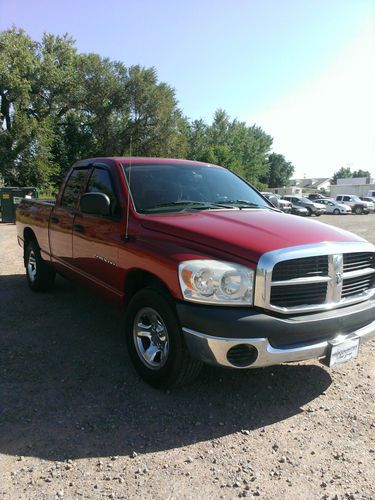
<point>317,183</point>
<point>353,185</point>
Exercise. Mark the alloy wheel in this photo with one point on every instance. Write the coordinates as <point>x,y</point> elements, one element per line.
<point>150,337</point>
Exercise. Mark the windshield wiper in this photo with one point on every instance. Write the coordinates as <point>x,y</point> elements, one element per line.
<point>248,204</point>
<point>243,203</point>
<point>195,205</point>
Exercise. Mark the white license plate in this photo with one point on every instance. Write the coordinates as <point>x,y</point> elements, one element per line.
<point>343,352</point>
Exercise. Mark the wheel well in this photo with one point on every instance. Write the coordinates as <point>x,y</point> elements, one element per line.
<point>28,235</point>
<point>138,279</point>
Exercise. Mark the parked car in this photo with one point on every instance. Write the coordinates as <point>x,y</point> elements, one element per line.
<point>297,210</point>
<point>357,205</point>
<point>333,207</point>
<point>284,205</point>
<point>312,207</point>
<point>276,200</point>
<point>204,267</point>
<point>315,196</point>
<point>369,201</point>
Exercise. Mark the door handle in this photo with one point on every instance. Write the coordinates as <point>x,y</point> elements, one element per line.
<point>78,228</point>
<point>54,220</point>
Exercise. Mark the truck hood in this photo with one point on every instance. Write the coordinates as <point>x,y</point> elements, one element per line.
<point>246,233</point>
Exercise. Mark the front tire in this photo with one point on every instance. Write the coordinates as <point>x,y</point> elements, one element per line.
<point>155,341</point>
<point>358,210</point>
<point>40,276</point>
<point>336,211</point>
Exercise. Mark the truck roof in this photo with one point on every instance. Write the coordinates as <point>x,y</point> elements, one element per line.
<point>145,160</point>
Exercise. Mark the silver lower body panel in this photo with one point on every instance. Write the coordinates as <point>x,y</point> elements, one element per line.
<point>214,350</point>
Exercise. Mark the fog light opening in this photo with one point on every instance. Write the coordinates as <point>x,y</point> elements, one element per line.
<point>242,355</point>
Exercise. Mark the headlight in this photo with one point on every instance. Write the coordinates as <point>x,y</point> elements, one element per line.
<point>216,282</point>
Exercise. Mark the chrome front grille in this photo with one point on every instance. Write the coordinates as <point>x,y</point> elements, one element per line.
<point>360,260</point>
<point>297,295</point>
<point>315,277</point>
<point>354,286</point>
<point>297,268</point>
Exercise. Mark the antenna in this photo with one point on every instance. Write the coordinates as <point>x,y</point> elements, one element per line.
<point>130,172</point>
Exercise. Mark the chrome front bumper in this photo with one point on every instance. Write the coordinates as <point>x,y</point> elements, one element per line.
<point>214,350</point>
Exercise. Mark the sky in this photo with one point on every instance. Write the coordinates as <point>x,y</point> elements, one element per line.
<point>303,70</point>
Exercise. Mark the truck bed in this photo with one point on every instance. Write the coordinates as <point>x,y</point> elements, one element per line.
<point>36,213</point>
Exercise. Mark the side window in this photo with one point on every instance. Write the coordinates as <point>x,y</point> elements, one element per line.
<point>346,198</point>
<point>73,187</point>
<point>100,182</point>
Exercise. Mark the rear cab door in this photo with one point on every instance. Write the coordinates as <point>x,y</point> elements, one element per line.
<point>62,218</point>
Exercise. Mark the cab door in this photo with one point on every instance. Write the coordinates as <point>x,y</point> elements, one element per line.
<point>97,238</point>
<point>62,219</point>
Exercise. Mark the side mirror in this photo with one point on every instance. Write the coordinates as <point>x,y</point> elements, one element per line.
<point>274,200</point>
<point>95,204</point>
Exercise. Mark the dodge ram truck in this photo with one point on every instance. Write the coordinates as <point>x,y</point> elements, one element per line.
<point>206,269</point>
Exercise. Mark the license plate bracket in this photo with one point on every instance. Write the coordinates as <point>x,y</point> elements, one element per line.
<point>341,352</point>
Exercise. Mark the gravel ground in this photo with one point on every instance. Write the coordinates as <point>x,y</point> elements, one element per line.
<point>77,422</point>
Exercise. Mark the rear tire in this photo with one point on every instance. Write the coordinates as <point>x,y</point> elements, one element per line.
<point>155,341</point>
<point>40,276</point>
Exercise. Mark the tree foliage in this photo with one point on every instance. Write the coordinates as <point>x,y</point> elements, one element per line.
<point>279,171</point>
<point>342,173</point>
<point>346,173</point>
<point>230,143</point>
<point>58,106</point>
<point>362,173</point>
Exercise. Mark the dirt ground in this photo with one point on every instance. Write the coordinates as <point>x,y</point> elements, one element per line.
<point>76,421</point>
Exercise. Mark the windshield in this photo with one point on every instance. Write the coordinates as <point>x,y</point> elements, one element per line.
<point>158,188</point>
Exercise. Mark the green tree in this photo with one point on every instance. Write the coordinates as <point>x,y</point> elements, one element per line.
<point>362,173</point>
<point>230,143</point>
<point>96,117</point>
<point>58,106</point>
<point>342,173</point>
<point>279,171</point>
<point>33,95</point>
<point>156,124</point>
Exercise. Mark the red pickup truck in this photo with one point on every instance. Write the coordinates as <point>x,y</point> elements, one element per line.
<point>205,267</point>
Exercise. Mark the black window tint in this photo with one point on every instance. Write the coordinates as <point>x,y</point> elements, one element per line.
<point>100,182</point>
<point>157,184</point>
<point>73,187</point>
<point>346,198</point>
